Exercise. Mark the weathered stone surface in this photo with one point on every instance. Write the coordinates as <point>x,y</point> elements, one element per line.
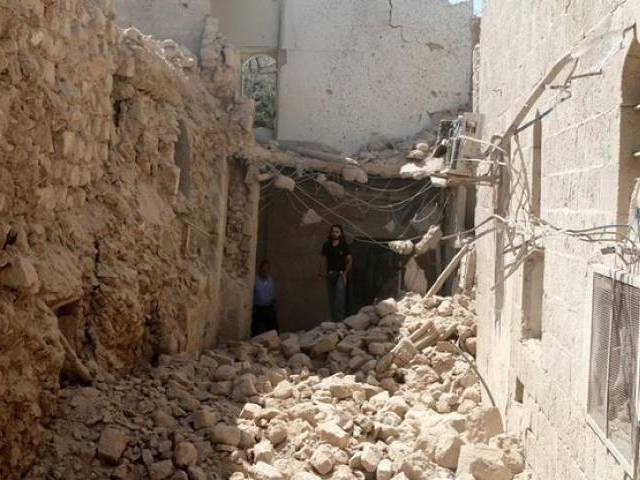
<point>331,433</point>
<point>161,470</point>
<point>185,455</point>
<point>264,471</point>
<point>483,423</point>
<point>112,444</point>
<point>205,419</point>
<point>225,434</point>
<point>483,462</point>
<point>386,307</point>
<point>322,460</point>
<point>370,458</point>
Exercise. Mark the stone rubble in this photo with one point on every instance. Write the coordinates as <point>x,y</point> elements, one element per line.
<point>247,410</point>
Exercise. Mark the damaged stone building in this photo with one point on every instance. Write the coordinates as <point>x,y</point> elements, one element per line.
<point>152,153</point>
<point>559,87</point>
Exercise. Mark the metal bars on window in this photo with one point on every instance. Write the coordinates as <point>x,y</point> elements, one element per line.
<point>613,360</point>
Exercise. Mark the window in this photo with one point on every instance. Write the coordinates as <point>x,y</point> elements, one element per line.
<point>613,360</point>
<point>259,77</point>
<point>532,295</point>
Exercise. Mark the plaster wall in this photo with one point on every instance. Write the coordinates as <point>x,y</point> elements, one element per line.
<point>581,187</point>
<point>179,20</point>
<point>350,69</point>
<point>251,25</point>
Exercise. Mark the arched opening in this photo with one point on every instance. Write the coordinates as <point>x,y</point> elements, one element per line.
<point>259,77</point>
<point>629,131</point>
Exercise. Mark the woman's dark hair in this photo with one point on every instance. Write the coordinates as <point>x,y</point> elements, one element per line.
<point>339,227</point>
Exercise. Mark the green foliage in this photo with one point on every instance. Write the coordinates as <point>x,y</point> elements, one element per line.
<point>259,83</point>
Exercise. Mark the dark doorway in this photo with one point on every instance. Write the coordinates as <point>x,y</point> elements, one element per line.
<point>376,274</point>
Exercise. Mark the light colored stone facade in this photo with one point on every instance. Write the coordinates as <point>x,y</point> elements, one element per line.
<point>352,69</point>
<point>539,373</point>
<point>179,20</point>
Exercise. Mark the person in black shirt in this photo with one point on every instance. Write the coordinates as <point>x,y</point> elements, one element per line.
<point>338,262</point>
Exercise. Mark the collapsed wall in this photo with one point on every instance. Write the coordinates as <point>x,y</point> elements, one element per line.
<point>113,179</point>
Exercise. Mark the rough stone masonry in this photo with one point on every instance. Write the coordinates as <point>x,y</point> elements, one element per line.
<point>113,177</point>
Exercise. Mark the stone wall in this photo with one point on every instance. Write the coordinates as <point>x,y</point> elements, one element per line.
<point>351,69</point>
<point>179,20</point>
<point>540,380</point>
<point>113,168</point>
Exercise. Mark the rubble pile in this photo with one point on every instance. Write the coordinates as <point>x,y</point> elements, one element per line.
<point>354,400</point>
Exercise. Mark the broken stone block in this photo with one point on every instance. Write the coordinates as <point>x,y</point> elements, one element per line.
<point>483,423</point>
<point>196,473</point>
<point>250,411</point>
<point>161,470</point>
<point>359,321</point>
<point>384,470</point>
<point>290,346</point>
<point>277,433</point>
<point>263,452</point>
<point>19,275</point>
<point>483,463</point>
<point>264,471</point>
<point>225,372</point>
<point>332,434</point>
<point>300,360</point>
<point>445,309</point>
<point>370,458</point>
<point>386,307</point>
<point>225,434</point>
<point>270,339</point>
<point>471,345</point>
<point>447,451</point>
<point>404,352</point>
<point>163,419</point>
<point>322,460</point>
<point>185,455</point>
<point>111,445</point>
<point>245,387</point>
<point>325,344</point>
<point>205,419</point>
<point>283,390</point>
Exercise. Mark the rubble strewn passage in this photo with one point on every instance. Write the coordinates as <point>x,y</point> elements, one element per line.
<point>114,159</point>
<point>354,400</point>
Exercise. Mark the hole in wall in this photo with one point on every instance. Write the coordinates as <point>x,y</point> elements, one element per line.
<point>183,160</point>
<point>259,76</point>
<point>518,395</point>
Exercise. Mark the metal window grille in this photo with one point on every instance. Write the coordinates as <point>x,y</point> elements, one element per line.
<point>612,372</point>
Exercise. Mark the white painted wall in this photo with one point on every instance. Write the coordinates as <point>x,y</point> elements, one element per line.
<point>352,68</point>
<point>179,20</point>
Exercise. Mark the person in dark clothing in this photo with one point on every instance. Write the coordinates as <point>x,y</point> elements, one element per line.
<point>338,263</point>
<point>264,301</point>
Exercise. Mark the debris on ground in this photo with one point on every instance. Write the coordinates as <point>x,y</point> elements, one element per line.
<point>352,400</point>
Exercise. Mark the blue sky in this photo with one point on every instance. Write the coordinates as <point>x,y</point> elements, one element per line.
<point>477,4</point>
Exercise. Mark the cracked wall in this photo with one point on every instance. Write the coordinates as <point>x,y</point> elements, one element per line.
<point>351,69</point>
<point>107,257</point>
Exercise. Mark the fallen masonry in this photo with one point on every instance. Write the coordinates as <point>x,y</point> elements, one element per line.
<point>318,404</point>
